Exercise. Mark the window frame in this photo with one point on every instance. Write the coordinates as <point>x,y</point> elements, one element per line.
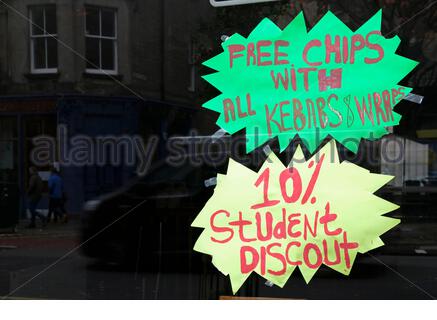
<point>101,37</point>
<point>44,36</point>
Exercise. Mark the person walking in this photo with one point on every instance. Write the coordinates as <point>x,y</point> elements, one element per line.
<point>34,192</point>
<point>56,195</point>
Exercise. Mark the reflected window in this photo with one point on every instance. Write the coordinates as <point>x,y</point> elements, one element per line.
<point>407,160</point>
<point>43,39</point>
<point>101,40</point>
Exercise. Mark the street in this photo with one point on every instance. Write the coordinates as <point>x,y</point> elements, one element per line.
<point>48,264</point>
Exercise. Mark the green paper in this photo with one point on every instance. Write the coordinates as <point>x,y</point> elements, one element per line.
<point>350,93</point>
<point>358,217</point>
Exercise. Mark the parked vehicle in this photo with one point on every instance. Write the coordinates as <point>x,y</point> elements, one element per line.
<point>146,223</point>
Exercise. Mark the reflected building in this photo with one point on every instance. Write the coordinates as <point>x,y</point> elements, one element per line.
<point>96,67</point>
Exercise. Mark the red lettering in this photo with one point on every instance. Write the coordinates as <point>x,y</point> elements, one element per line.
<point>264,178</point>
<point>305,72</point>
<point>374,46</point>
<point>345,49</point>
<point>251,54</point>
<point>332,49</point>
<point>279,77</point>
<point>293,175</point>
<point>233,49</point>
<point>269,118</point>
<point>228,107</point>
<point>357,43</point>
<point>278,54</point>
<point>334,81</point>
<point>287,253</point>
<point>241,114</point>
<point>263,261</point>
<point>323,118</point>
<point>363,109</point>
<point>291,223</point>
<point>378,101</point>
<point>298,115</point>
<point>313,179</point>
<point>264,43</point>
<point>284,114</point>
<point>249,105</point>
<point>308,47</point>
<point>327,218</point>
<point>326,253</point>
<point>245,267</point>
<point>307,226</point>
<point>387,105</point>
<point>268,227</point>
<point>346,246</point>
<point>306,258</point>
<point>279,231</point>
<point>278,256</point>
<point>220,229</point>
<point>241,223</point>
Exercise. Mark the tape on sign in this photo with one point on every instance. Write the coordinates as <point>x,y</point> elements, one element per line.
<point>211,182</point>
<point>267,150</point>
<point>217,135</point>
<point>414,98</point>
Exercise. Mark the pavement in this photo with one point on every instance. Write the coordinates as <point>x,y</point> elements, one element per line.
<point>46,263</point>
<point>54,234</point>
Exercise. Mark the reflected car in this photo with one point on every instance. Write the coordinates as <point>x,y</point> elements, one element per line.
<point>146,223</point>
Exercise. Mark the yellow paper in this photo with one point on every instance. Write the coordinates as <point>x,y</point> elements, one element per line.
<point>327,209</point>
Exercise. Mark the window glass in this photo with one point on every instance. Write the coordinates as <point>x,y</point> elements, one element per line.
<point>152,103</point>
<point>108,23</point>
<point>37,20</point>
<point>43,43</point>
<point>92,53</point>
<point>52,54</point>
<point>101,47</point>
<point>39,53</point>
<point>92,21</point>
<point>107,54</point>
<point>50,20</point>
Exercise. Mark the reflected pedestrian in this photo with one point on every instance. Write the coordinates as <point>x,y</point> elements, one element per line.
<point>56,195</point>
<point>34,192</point>
<point>64,211</point>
